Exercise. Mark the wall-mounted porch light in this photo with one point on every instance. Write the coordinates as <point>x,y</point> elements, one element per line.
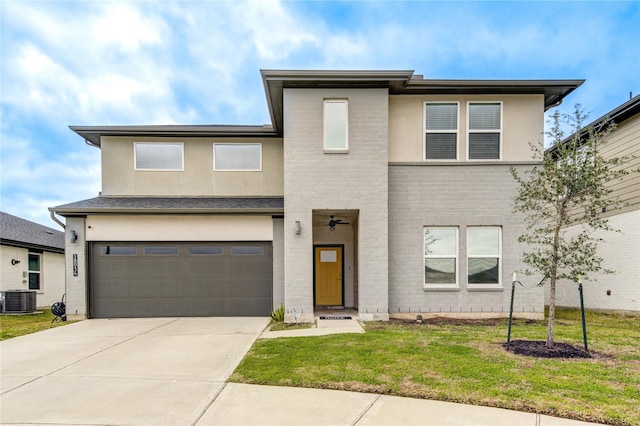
<point>73,237</point>
<point>297,227</point>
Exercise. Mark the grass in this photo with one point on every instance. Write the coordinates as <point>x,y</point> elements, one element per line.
<point>466,362</point>
<point>282,326</point>
<point>12,325</point>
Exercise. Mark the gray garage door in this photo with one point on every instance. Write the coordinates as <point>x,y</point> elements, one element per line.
<point>180,279</point>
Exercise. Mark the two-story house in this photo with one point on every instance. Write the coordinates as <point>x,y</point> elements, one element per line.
<point>619,250</point>
<point>379,191</point>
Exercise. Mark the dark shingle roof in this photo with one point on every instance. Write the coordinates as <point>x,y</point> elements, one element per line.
<point>172,205</point>
<point>19,232</point>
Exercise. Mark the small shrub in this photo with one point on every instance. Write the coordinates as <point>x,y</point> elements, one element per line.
<point>278,314</point>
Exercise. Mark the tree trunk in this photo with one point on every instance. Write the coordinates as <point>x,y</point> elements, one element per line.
<point>552,310</point>
<point>553,273</point>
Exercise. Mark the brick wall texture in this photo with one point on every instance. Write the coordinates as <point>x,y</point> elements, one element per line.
<point>317,180</point>
<point>621,251</point>
<point>461,196</point>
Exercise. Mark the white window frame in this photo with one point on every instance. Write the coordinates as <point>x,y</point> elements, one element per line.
<point>259,145</point>
<point>135,156</point>
<point>499,131</point>
<point>456,256</point>
<point>33,271</point>
<point>341,150</point>
<point>486,256</point>
<point>426,131</point>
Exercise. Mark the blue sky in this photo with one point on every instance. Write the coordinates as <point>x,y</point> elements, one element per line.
<point>181,62</point>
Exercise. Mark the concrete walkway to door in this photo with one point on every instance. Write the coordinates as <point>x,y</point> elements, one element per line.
<point>169,371</point>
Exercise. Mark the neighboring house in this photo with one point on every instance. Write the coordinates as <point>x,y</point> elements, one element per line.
<point>379,191</point>
<point>620,250</point>
<point>31,258</point>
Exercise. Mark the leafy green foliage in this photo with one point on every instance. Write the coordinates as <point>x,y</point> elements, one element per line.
<point>569,187</point>
<point>278,314</point>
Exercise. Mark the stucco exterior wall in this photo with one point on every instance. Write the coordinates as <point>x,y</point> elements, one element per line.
<point>461,196</point>
<point>179,228</point>
<point>523,122</point>
<point>355,181</point>
<point>198,178</point>
<point>621,253</point>
<point>15,277</point>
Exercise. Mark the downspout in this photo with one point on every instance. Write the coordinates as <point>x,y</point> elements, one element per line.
<point>56,220</point>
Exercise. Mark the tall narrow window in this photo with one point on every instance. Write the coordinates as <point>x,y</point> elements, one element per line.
<point>485,129</point>
<point>483,252</point>
<point>336,125</point>
<point>441,131</point>
<point>440,256</point>
<point>34,271</point>
<point>158,156</point>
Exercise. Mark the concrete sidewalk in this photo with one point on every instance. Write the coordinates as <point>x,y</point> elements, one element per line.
<point>173,371</point>
<point>240,404</point>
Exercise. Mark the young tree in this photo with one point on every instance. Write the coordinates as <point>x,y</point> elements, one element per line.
<point>569,187</point>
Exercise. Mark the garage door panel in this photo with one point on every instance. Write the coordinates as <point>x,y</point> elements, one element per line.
<point>201,280</point>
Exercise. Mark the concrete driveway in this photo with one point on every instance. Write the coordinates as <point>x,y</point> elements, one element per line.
<point>124,371</point>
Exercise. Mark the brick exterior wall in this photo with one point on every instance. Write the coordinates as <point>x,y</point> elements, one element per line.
<point>278,262</point>
<point>621,251</point>
<point>454,195</point>
<point>76,301</point>
<point>353,181</point>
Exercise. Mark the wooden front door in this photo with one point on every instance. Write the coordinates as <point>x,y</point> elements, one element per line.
<point>328,276</point>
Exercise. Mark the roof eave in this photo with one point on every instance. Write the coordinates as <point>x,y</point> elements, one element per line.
<point>275,81</point>
<point>93,134</point>
<point>554,91</point>
<point>65,212</point>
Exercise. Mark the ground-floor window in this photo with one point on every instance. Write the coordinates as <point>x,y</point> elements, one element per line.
<point>35,271</point>
<point>484,247</point>
<point>443,246</point>
<point>440,256</point>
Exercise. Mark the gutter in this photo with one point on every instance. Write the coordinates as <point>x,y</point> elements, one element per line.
<point>52,213</point>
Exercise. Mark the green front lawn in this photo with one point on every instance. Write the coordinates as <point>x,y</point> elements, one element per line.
<point>465,362</point>
<point>12,325</point>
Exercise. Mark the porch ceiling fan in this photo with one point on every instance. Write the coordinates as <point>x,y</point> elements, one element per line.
<point>333,222</point>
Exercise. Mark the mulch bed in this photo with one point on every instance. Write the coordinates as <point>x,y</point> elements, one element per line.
<point>538,348</point>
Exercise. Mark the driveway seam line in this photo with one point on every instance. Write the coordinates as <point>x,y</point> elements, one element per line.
<point>366,410</point>
<point>206,408</point>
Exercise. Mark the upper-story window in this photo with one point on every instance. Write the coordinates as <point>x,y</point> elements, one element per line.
<point>237,156</point>
<point>485,130</point>
<point>441,131</point>
<point>159,156</point>
<point>336,125</point>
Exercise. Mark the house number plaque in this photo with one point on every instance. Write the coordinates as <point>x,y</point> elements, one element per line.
<point>75,265</point>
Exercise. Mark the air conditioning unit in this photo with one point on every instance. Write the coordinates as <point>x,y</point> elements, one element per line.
<point>18,301</point>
